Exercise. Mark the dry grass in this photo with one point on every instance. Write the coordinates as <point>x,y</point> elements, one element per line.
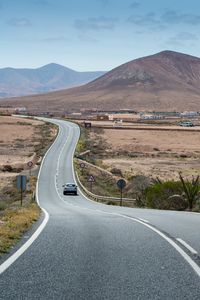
<point>21,141</point>
<point>14,223</point>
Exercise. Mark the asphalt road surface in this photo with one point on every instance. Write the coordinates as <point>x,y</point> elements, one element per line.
<point>93,251</point>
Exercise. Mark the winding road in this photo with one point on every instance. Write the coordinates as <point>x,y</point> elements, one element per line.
<point>85,250</point>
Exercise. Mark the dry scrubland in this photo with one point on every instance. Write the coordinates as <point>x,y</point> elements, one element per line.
<point>151,161</point>
<point>18,138</point>
<point>152,153</point>
<point>22,140</point>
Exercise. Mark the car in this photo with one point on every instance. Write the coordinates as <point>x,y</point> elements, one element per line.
<point>69,188</point>
<point>186,124</point>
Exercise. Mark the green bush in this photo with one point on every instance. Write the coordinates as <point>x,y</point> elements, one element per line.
<point>191,190</point>
<point>166,195</point>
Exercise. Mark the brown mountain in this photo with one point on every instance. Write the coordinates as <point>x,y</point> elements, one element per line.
<point>49,78</point>
<point>164,81</point>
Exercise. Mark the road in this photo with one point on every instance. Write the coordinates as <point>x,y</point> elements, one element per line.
<point>93,251</point>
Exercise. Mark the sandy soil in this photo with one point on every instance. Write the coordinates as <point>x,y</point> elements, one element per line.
<point>148,141</point>
<point>17,142</point>
<point>154,153</point>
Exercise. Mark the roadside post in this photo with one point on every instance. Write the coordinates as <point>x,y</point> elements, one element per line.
<point>82,166</point>
<point>121,183</point>
<point>91,179</point>
<point>30,164</point>
<point>21,185</point>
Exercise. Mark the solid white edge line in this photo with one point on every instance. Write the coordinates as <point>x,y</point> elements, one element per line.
<point>186,245</point>
<point>188,259</point>
<point>143,220</point>
<point>10,260</point>
<point>6,264</point>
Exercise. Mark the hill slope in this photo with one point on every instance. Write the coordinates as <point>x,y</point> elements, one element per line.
<point>51,77</point>
<point>164,81</point>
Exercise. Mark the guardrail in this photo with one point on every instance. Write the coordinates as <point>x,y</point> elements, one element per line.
<point>98,198</point>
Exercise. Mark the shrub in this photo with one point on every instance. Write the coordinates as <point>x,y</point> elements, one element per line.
<point>191,190</point>
<point>116,172</point>
<point>162,196</point>
<point>7,168</point>
<point>111,203</point>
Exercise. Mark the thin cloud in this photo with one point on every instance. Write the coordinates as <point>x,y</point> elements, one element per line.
<point>134,5</point>
<point>95,24</point>
<point>20,22</point>
<point>173,17</point>
<point>181,38</point>
<point>148,19</point>
<point>166,19</point>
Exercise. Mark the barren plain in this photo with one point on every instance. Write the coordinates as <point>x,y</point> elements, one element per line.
<point>20,142</point>
<point>154,153</point>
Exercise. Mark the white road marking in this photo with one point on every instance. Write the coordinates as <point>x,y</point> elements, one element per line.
<point>17,254</point>
<point>188,259</point>
<point>6,264</point>
<point>22,249</point>
<point>192,250</point>
<point>143,220</point>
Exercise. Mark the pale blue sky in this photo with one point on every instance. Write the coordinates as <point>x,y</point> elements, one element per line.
<point>95,34</point>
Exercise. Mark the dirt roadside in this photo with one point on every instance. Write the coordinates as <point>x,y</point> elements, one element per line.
<point>22,141</point>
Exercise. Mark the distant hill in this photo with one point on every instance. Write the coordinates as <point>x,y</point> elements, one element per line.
<point>167,81</point>
<point>51,77</point>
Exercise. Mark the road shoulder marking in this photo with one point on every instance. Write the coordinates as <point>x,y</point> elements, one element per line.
<point>186,245</point>
<point>8,262</point>
<point>143,220</point>
<point>188,259</point>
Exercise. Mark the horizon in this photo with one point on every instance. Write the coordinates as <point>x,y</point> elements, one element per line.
<point>67,67</point>
<point>100,35</point>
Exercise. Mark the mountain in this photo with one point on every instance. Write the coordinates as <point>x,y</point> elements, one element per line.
<point>51,77</point>
<point>166,81</point>
<point>162,71</point>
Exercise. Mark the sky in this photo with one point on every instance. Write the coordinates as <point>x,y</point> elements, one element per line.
<point>88,35</point>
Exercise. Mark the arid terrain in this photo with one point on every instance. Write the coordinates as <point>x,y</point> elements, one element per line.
<point>167,81</point>
<point>21,140</point>
<point>154,154</point>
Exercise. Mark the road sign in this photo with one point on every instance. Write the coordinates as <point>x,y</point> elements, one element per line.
<point>21,182</point>
<point>121,183</point>
<point>91,178</point>
<point>82,165</point>
<point>30,164</point>
<point>88,124</point>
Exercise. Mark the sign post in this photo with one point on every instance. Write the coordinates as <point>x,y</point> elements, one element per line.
<point>121,183</point>
<point>91,179</point>
<point>82,166</point>
<point>21,185</point>
<point>30,164</point>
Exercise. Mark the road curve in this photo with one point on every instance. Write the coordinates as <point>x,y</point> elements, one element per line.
<point>93,251</point>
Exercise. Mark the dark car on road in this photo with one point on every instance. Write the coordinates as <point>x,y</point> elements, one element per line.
<point>69,188</point>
